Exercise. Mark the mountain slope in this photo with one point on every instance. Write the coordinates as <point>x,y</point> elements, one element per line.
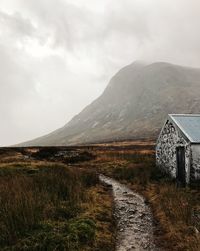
<point>134,104</point>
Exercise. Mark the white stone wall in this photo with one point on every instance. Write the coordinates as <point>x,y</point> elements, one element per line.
<point>169,139</point>
<point>195,158</point>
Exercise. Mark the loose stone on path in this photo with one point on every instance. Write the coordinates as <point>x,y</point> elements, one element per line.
<point>134,219</point>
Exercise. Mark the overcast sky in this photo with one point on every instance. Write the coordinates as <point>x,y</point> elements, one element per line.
<point>56,56</point>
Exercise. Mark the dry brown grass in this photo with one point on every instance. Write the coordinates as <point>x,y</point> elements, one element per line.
<point>173,208</point>
<point>49,206</point>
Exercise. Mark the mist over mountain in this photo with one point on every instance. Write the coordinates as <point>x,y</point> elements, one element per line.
<point>134,105</point>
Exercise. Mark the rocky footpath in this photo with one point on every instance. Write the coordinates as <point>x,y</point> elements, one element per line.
<point>134,218</point>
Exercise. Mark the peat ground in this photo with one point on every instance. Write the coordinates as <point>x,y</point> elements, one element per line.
<point>176,211</point>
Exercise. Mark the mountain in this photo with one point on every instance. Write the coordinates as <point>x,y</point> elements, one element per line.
<point>134,105</point>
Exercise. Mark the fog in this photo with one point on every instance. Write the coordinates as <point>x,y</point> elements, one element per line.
<point>57,56</point>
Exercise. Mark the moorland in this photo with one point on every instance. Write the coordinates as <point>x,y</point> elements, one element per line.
<point>51,197</point>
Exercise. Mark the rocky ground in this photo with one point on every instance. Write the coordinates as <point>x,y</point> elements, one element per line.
<point>134,218</point>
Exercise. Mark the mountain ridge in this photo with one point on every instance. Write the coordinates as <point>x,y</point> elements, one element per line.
<point>133,105</point>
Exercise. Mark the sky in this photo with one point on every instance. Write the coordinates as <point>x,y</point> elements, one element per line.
<point>57,56</point>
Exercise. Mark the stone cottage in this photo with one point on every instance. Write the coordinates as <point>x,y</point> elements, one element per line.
<point>178,147</point>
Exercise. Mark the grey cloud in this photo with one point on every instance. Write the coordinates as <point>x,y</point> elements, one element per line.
<point>73,26</point>
<point>57,56</point>
<point>15,25</point>
<point>66,23</point>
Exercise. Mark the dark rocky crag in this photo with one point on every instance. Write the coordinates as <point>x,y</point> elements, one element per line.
<point>134,105</point>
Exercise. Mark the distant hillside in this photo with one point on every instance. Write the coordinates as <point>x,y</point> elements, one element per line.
<point>134,104</point>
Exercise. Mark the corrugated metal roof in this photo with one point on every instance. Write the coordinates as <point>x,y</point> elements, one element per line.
<point>189,124</point>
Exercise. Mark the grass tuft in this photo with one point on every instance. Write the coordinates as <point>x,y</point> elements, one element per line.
<point>42,209</point>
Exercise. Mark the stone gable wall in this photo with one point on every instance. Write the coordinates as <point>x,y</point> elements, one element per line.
<point>169,139</point>
<point>195,170</point>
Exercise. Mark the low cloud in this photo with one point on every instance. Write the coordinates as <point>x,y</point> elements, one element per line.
<point>57,56</point>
